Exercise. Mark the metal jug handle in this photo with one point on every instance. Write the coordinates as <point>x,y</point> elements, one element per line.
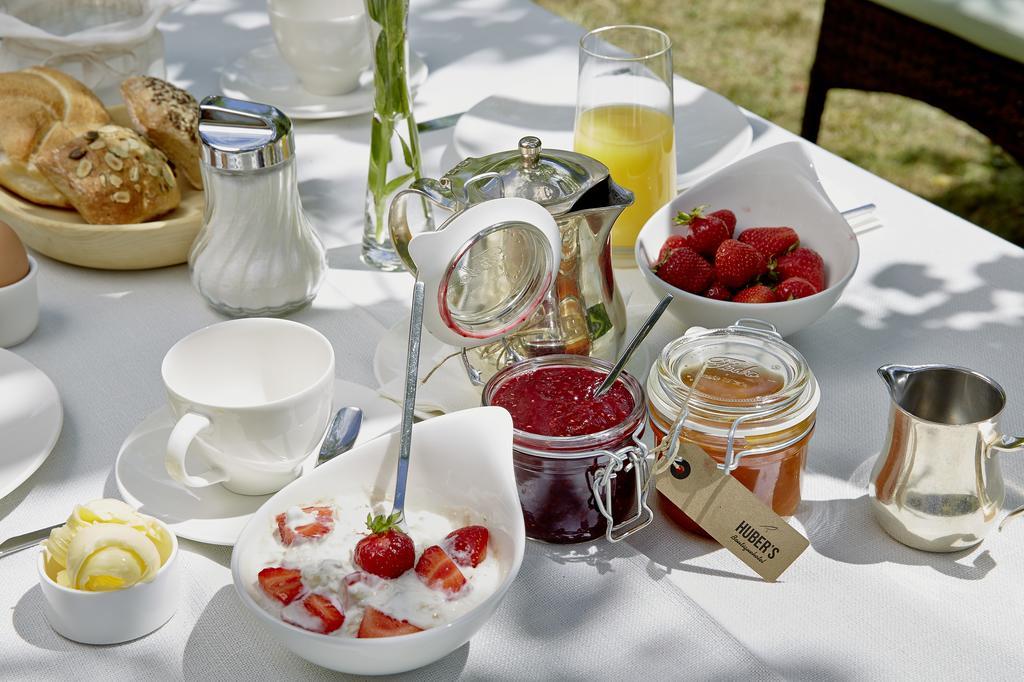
<point>437,192</point>
<point>1009,444</point>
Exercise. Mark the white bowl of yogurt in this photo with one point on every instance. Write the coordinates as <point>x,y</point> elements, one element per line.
<point>460,474</point>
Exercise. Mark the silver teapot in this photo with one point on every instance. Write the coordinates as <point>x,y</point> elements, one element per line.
<point>580,310</point>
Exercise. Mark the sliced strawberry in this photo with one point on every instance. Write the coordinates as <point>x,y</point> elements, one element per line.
<point>758,293</point>
<point>771,241</point>
<point>439,572</point>
<point>674,241</point>
<point>386,551</point>
<point>282,584</point>
<point>737,263</point>
<point>319,613</point>
<point>706,231</point>
<point>794,287</point>
<point>323,525</point>
<point>467,546</point>
<point>377,624</point>
<point>359,581</point>
<point>805,263</point>
<point>685,269</point>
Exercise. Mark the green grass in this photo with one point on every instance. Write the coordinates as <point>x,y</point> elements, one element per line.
<point>759,54</point>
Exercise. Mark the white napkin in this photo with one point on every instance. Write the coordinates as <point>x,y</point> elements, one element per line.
<point>444,385</point>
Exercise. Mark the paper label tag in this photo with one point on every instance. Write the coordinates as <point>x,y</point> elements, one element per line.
<point>730,513</point>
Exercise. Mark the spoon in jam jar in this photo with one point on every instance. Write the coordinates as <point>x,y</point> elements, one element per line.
<point>633,344</point>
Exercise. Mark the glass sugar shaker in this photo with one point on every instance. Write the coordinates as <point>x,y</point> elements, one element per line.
<point>256,253</point>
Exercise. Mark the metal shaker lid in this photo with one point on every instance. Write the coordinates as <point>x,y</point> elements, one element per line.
<point>238,135</point>
<point>555,179</point>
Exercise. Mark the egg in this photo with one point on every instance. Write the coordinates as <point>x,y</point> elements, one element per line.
<point>13,257</point>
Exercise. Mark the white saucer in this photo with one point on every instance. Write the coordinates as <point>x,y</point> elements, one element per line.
<point>31,417</point>
<point>215,515</point>
<point>711,131</point>
<point>261,75</point>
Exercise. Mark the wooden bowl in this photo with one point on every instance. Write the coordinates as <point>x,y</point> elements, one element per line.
<point>62,234</point>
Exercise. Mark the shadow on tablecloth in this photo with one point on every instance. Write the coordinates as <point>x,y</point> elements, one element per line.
<point>562,618</point>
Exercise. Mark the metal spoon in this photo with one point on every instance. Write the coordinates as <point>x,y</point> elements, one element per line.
<point>633,344</point>
<point>412,366</point>
<point>341,436</point>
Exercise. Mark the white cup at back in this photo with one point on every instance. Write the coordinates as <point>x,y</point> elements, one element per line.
<point>323,41</point>
<point>252,399</point>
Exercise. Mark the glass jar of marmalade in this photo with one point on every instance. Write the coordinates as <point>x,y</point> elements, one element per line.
<point>752,409</point>
<point>581,468</point>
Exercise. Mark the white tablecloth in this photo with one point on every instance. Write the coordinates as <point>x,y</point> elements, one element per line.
<point>930,288</point>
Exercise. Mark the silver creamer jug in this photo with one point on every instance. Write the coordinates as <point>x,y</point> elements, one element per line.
<point>582,312</point>
<point>937,484</point>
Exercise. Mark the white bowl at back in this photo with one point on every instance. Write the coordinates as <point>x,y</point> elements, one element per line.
<point>776,186</point>
<point>459,460</point>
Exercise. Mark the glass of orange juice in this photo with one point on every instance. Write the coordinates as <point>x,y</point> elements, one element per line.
<point>625,120</point>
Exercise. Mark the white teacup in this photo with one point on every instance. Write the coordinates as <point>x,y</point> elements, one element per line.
<point>324,42</point>
<point>252,398</point>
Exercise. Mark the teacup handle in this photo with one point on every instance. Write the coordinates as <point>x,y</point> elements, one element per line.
<point>182,435</point>
<point>1009,444</point>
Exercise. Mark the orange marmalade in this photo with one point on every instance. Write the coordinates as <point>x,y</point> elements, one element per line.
<point>753,387</point>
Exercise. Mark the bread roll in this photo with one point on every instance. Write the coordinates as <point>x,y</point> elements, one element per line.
<point>169,117</point>
<point>40,110</point>
<point>112,175</point>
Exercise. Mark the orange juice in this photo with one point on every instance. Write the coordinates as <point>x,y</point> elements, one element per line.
<point>638,145</point>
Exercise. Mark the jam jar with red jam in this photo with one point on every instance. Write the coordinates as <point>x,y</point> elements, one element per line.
<point>578,459</point>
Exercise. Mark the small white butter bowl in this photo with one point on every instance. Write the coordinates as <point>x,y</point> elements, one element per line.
<point>115,616</point>
<point>19,308</point>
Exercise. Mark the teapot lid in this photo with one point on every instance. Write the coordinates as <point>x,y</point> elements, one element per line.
<point>555,179</point>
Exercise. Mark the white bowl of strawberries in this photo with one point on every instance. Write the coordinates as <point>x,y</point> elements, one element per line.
<point>757,239</point>
<point>335,580</point>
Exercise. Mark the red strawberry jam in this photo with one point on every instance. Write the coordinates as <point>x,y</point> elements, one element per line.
<point>559,401</point>
<point>562,439</point>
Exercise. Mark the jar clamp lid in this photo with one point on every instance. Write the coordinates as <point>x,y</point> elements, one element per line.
<point>764,384</point>
<point>238,135</point>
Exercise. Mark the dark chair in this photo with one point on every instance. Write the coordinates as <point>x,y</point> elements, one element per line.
<point>865,46</point>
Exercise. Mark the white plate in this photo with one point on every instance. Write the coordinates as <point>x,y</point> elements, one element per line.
<point>710,130</point>
<point>261,75</point>
<point>31,417</point>
<point>215,515</point>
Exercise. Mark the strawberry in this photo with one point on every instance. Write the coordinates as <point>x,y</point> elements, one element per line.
<point>282,584</point>
<point>771,241</point>
<point>467,546</point>
<point>674,241</point>
<point>758,293</point>
<point>804,263</point>
<point>686,269</point>
<point>718,291</point>
<point>794,287</point>
<point>727,217</point>
<point>326,616</point>
<point>706,231</point>
<point>386,552</point>
<point>439,572</point>
<point>377,624</point>
<point>737,263</point>
<point>322,526</point>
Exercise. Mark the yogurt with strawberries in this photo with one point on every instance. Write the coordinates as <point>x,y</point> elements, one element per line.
<point>342,568</point>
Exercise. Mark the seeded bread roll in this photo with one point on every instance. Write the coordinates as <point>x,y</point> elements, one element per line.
<point>112,176</point>
<point>40,110</point>
<point>169,117</point>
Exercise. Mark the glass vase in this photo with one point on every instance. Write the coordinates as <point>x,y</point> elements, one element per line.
<point>394,140</point>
